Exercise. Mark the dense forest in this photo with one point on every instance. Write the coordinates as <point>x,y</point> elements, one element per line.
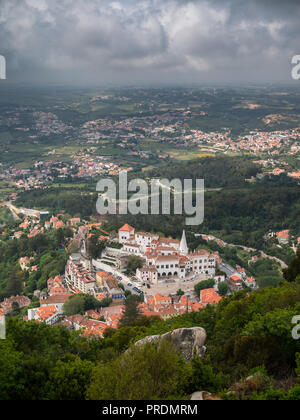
<point>217,172</point>
<point>251,354</point>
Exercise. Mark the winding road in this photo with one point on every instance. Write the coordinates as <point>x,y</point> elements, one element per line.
<point>262,253</point>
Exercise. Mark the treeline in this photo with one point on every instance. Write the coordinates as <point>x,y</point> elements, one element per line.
<point>216,171</point>
<point>74,202</point>
<point>252,212</point>
<point>239,216</point>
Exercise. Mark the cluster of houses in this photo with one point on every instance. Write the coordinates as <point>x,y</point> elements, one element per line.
<point>81,277</point>
<point>166,307</point>
<point>169,258</point>
<point>237,281</point>
<point>164,259</point>
<point>257,142</point>
<point>35,223</point>
<point>89,166</point>
<point>51,302</point>
<point>51,312</point>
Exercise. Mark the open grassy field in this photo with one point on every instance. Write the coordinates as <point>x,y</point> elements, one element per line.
<point>178,153</point>
<point>5,215</point>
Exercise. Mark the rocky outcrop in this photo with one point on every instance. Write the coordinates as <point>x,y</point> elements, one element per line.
<point>197,396</point>
<point>204,396</point>
<point>189,341</point>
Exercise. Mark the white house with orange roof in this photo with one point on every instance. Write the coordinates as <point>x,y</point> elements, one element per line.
<point>251,282</point>
<point>49,314</point>
<point>235,282</point>
<point>283,237</point>
<point>126,234</point>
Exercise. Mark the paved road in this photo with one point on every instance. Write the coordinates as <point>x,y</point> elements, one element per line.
<point>230,271</point>
<point>124,279</point>
<point>14,210</point>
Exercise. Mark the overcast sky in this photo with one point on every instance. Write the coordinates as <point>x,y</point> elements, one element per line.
<point>149,41</point>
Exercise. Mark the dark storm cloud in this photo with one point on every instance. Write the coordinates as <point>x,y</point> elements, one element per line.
<point>149,40</point>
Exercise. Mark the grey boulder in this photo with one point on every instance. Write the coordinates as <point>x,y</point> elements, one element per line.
<point>189,341</point>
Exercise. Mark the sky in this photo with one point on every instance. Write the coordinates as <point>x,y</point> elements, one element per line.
<point>134,42</point>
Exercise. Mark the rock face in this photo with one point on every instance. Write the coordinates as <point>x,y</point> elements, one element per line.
<point>197,396</point>
<point>204,396</point>
<point>188,341</point>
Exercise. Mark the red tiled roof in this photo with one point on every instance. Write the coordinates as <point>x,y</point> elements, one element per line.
<point>126,228</point>
<point>46,312</point>
<point>235,278</point>
<point>210,296</point>
<point>283,235</point>
<point>197,306</point>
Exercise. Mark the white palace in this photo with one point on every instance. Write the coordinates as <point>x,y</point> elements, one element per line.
<point>164,257</point>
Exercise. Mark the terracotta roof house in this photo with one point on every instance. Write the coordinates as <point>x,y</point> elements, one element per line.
<point>209,297</point>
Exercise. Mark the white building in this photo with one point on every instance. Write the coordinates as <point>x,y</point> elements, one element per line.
<point>251,282</point>
<point>126,234</point>
<point>132,249</point>
<point>147,275</point>
<point>183,245</point>
<point>49,314</point>
<point>144,240</point>
<point>167,265</point>
<point>203,262</point>
<point>220,279</point>
<point>165,257</point>
<point>78,275</point>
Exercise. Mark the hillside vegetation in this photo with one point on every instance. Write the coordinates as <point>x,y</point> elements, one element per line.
<point>248,334</point>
